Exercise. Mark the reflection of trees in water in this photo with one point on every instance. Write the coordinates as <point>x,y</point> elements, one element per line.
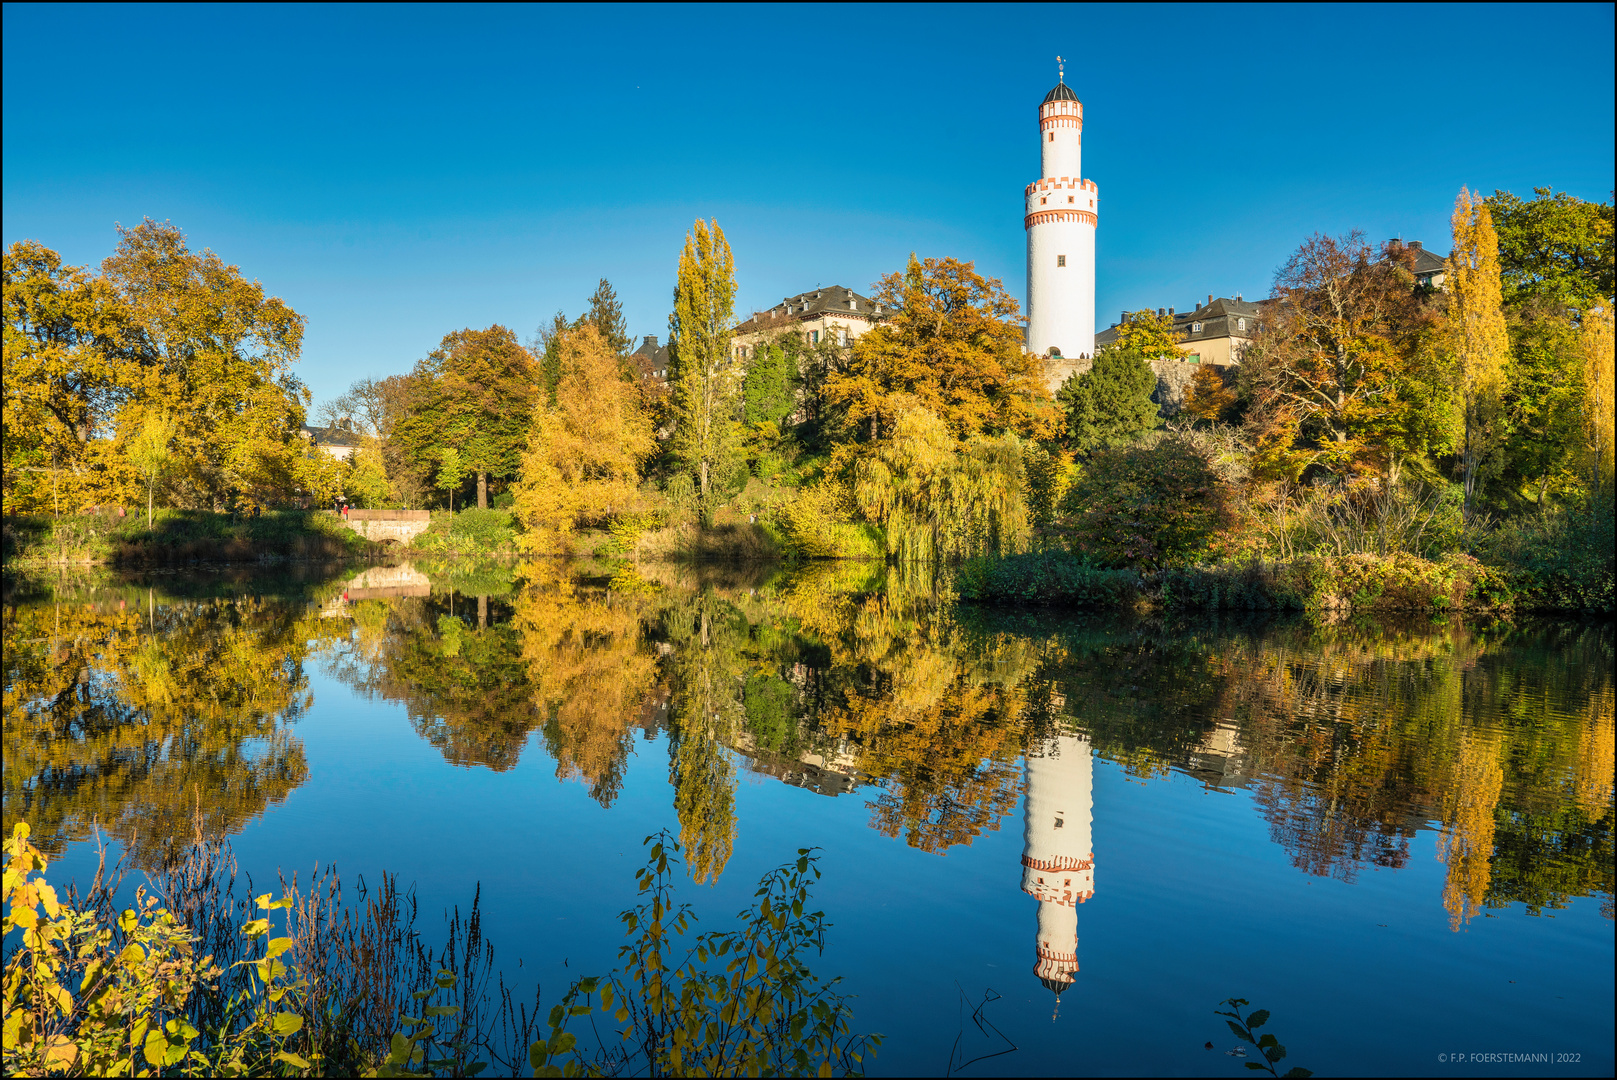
<point>143,717</point>
<point>590,673</point>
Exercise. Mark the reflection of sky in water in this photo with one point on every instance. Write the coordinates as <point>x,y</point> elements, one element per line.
<point>1201,889</point>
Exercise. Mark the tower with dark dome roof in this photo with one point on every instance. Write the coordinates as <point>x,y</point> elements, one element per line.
<point>1058,865</point>
<point>1060,220</point>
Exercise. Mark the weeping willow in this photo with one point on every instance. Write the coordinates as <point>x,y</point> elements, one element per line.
<point>938,498</point>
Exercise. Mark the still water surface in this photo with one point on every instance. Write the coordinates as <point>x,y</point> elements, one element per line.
<point>1398,839</point>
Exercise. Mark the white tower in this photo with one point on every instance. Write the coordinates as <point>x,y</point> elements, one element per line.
<point>1058,865</point>
<point>1060,223</point>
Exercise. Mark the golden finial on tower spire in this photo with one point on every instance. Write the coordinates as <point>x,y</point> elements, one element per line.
<point>1061,71</point>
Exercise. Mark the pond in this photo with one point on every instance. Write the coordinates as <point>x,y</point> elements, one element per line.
<point>1396,838</point>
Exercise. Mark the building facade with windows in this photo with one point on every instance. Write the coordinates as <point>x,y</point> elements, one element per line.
<point>1211,333</point>
<point>833,314</point>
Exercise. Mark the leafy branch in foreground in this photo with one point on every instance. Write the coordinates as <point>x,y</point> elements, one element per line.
<point>1273,1052</point>
<point>727,1003</point>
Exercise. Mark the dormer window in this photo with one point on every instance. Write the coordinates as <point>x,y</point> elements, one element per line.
<point>1195,328</point>
<point>1240,324</point>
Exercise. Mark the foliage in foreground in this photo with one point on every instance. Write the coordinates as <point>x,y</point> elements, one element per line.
<point>90,991</point>
<point>1244,1029</point>
<point>180,536</point>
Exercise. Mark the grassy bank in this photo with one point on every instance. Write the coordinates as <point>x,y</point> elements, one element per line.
<point>1314,583</point>
<point>179,537</point>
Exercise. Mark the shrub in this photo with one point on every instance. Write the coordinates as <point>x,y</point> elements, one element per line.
<point>1055,577</point>
<point>1144,506</point>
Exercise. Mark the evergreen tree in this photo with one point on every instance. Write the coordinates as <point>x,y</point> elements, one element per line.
<point>707,391</point>
<point>1110,404</point>
<point>605,313</point>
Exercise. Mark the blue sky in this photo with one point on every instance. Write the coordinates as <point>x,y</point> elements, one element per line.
<point>398,173</point>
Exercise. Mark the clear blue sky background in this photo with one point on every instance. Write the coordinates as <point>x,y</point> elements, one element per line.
<point>398,173</point>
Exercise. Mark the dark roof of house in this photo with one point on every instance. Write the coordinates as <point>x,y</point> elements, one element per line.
<point>1428,262</point>
<point>651,359</point>
<point>1062,92</point>
<point>1217,319</point>
<point>330,436</point>
<point>831,300</point>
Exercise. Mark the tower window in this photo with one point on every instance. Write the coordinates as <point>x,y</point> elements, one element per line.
<point>1052,136</point>
<point>1069,198</point>
<point>1043,201</point>
<point>1061,260</point>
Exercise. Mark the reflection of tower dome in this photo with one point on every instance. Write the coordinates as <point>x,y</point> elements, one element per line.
<point>1058,865</point>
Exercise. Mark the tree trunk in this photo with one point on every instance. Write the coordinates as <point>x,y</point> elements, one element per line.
<point>482,612</point>
<point>148,507</point>
<point>482,489</point>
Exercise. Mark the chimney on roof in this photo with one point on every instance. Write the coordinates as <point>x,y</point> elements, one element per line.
<point>1237,298</point>
<point>1415,244</point>
<point>1160,313</point>
<point>651,341</point>
<point>1209,299</point>
<point>1170,313</point>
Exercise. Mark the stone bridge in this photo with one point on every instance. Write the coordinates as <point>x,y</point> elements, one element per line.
<point>401,526</point>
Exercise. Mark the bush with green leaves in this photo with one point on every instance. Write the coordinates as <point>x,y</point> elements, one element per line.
<point>1144,506</point>
<point>1050,577</point>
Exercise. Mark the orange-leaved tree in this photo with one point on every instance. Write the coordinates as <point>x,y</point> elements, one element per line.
<point>952,345</point>
<point>1476,329</point>
<point>1332,364</point>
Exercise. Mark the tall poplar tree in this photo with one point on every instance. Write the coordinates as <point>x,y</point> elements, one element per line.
<point>707,384</point>
<point>1598,376</point>
<point>1477,335</point>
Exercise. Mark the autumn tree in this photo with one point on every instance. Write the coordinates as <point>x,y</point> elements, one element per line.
<point>1209,397</point>
<point>706,382</point>
<point>1110,403</point>
<point>1599,403</point>
<point>1476,332</point>
<point>475,393</point>
<point>151,452</point>
<point>214,350</point>
<point>583,458</point>
<point>63,376</point>
<point>1330,365</point>
<point>953,345</point>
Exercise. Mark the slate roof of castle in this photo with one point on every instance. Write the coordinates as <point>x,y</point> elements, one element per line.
<point>1218,319</point>
<point>1062,92</point>
<point>831,300</point>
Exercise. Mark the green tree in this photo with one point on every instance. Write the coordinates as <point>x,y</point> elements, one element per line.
<point>605,313</point>
<point>952,344</point>
<point>769,391</point>
<point>1553,247</point>
<point>475,392</point>
<point>706,381</point>
<point>151,453</point>
<point>1110,404</point>
<point>451,473</point>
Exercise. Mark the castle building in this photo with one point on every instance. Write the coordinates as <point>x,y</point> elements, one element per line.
<point>833,314</point>
<point>1060,219</point>
<point>1058,863</point>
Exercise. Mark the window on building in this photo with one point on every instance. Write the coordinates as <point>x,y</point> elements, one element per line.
<point>1061,260</point>
<point>1069,198</point>
<point>1195,328</point>
<point>814,337</point>
<point>842,339</point>
<point>1052,137</point>
<point>1240,324</point>
<point>1043,201</point>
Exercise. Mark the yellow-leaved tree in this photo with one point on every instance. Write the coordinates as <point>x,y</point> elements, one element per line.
<point>583,458</point>
<point>1598,364</point>
<point>1477,336</point>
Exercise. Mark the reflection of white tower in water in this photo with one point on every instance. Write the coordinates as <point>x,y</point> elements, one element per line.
<point>1058,865</point>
